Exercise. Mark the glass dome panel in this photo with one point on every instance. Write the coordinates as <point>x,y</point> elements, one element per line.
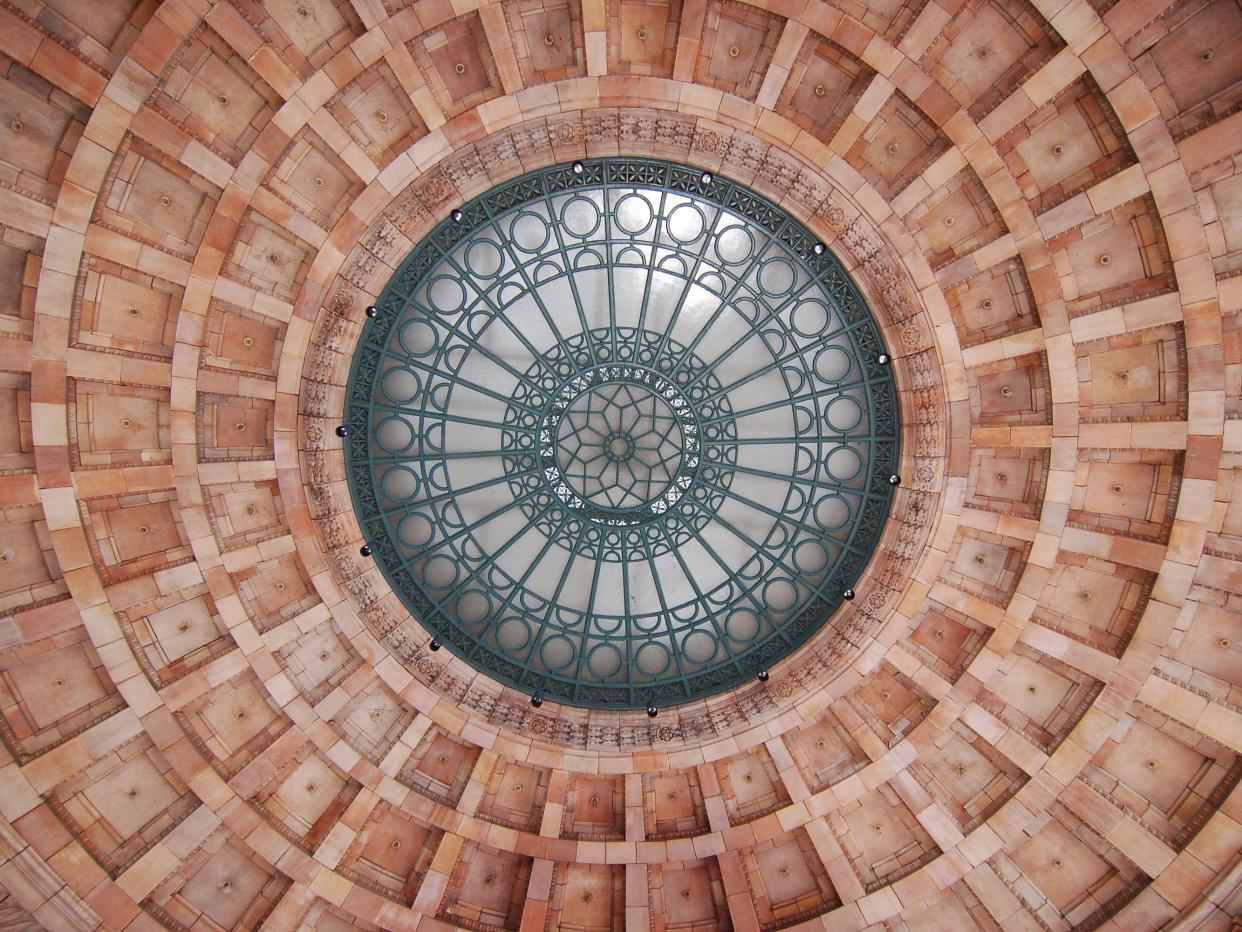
<point>621,433</point>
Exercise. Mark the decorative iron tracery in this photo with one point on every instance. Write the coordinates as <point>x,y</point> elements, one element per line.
<point>621,433</point>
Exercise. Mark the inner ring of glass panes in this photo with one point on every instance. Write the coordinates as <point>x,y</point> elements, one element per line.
<point>621,433</point>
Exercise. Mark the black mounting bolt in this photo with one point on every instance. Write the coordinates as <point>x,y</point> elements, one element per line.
<point>763,676</point>
<point>372,311</point>
<point>536,700</point>
<point>365,550</point>
<point>848,595</point>
<point>342,431</point>
<point>652,711</point>
<point>434,645</point>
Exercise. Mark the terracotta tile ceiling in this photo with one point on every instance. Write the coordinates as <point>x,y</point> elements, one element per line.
<point>216,714</point>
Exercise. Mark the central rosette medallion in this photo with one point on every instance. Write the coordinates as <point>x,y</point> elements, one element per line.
<point>620,444</point>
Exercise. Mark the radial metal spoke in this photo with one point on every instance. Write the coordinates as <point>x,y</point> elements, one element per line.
<point>556,594</point>
<point>726,300</point>
<point>531,289</point>
<point>469,529</point>
<point>651,270</point>
<point>832,391</point>
<point>572,279</point>
<point>466,490</point>
<point>463,455</point>
<point>467,339</point>
<point>746,337</point>
<point>764,509</point>
<point>665,613</point>
<point>700,259</point>
<point>778,363</point>
<point>792,480</point>
<point>700,596</point>
<point>466,383</point>
<point>423,415</point>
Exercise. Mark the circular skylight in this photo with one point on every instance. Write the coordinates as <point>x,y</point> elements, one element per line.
<point>621,433</point>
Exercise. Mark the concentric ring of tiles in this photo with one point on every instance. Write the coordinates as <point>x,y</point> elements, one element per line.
<point>1193,877</point>
<point>578,502</point>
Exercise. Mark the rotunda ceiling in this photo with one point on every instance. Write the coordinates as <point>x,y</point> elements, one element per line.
<point>620,437</point>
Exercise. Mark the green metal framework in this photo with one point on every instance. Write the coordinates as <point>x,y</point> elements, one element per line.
<point>621,433</point>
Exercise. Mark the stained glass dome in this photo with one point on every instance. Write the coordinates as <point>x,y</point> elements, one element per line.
<point>621,433</point>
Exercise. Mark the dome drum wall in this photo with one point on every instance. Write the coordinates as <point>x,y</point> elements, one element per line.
<point>686,399</point>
